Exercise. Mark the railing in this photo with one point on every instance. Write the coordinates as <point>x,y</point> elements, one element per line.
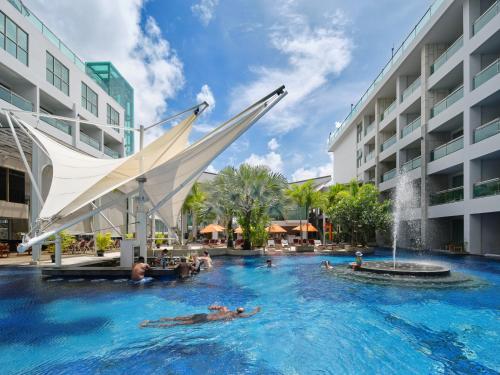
<point>14,99</point>
<point>369,156</point>
<point>486,74</point>
<point>447,196</point>
<point>448,101</point>
<point>487,130</point>
<point>445,56</point>
<point>388,110</point>
<point>486,17</point>
<point>114,154</point>
<point>389,175</point>
<point>410,89</point>
<point>369,127</point>
<point>90,141</point>
<point>393,61</point>
<point>47,33</point>
<point>411,165</point>
<point>415,124</point>
<point>388,143</point>
<point>448,148</point>
<point>487,188</point>
<point>62,125</point>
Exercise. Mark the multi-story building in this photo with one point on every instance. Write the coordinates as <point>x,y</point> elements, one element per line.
<point>433,113</point>
<point>39,73</point>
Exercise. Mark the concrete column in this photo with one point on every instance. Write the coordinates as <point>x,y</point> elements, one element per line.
<point>472,234</point>
<point>141,218</point>
<point>58,252</point>
<point>37,158</point>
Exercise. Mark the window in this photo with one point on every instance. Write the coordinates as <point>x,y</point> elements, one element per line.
<point>113,117</point>
<point>89,99</point>
<point>359,133</point>
<point>57,74</point>
<point>13,39</point>
<point>16,187</point>
<point>3,184</point>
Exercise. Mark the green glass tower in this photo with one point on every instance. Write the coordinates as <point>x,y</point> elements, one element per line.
<point>110,79</point>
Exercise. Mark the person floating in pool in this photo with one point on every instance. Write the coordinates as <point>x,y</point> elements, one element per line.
<point>327,265</point>
<point>358,261</point>
<point>223,313</point>
<point>139,269</point>
<point>269,264</point>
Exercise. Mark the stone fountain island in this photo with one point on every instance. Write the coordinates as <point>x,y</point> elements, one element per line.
<point>404,269</point>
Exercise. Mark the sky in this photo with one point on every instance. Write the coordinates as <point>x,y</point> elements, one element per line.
<point>176,53</point>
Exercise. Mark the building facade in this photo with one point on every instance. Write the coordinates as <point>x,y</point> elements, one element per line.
<point>433,114</point>
<point>39,73</point>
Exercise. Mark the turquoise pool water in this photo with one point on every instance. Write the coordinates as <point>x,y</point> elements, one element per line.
<point>311,322</point>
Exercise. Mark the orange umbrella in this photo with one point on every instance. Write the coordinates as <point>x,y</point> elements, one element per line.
<point>212,228</point>
<point>275,228</point>
<point>238,230</point>
<point>304,228</point>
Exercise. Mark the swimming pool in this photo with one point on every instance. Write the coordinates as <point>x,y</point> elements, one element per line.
<point>311,322</point>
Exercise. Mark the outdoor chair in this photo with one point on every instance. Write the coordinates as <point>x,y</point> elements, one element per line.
<point>295,241</point>
<point>312,242</point>
<point>270,243</point>
<point>89,246</point>
<point>4,250</point>
<point>284,244</point>
<point>318,245</point>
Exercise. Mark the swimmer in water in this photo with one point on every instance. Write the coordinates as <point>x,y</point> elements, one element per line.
<point>327,265</point>
<point>269,264</point>
<point>223,313</point>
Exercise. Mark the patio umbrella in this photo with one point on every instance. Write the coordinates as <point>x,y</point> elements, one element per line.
<point>238,230</point>
<point>304,228</point>
<point>275,228</point>
<point>212,228</point>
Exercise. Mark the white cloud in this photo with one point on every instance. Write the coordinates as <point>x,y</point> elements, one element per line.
<point>112,31</point>
<point>314,53</point>
<point>203,127</point>
<point>205,10</point>
<point>313,172</point>
<point>271,160</point>
<point>211,169</point>
<point>273,144</point>
<point>206,95</point>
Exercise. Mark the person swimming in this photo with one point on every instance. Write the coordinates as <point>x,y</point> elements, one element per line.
<point>327,265</point>
<point>223,313</point>
<point>269,264</point>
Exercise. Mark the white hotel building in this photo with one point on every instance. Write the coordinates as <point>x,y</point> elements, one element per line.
<point>39,73</point>
<point>434,114</point>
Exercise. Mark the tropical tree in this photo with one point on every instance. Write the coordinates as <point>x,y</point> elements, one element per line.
<point>254,191</point>
<point>193,205</point>
<point>305,196</point>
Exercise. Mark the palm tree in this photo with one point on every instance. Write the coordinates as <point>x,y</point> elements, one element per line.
<point>193,204</point>
<point>294,192</point>
<point>305,196</point>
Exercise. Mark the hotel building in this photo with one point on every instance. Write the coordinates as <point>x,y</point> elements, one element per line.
<point>39,73</point>
<point>433,113</point>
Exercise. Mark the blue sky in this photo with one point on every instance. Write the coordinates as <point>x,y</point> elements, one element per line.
<point>232,52</point>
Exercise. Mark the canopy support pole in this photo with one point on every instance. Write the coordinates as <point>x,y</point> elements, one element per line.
<point>141,219</point>
<point>58,252</point>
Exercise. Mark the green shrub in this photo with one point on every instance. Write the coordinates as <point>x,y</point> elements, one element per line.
<point>103,241</point>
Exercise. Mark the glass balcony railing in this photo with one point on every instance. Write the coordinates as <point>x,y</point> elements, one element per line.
<point>114,154</point>
<point>90,141</point>
<point>486,17</point>
<point>457,44</point>
<point>14,99</point>
<point>411,89</point>
<point>448,101</point>
<point>388,143</point>
<point>486,74</point>
<point>487,188</point>
<point>388,110</point>
<point>408,129</point>
<point>369,127</point>
<point>389,175</point>
<point>395,59</point>
<point>448,148</point>
<point>447,196</point>
<point>62,125</point>
<point>487,130</point>
<point>369,156</point>
<point>411,164</point>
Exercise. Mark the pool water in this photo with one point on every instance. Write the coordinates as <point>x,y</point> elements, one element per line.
<point>311,322</point>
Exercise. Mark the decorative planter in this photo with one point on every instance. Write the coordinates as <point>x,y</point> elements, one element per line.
<point>100,253</point>
<point>53,258</point>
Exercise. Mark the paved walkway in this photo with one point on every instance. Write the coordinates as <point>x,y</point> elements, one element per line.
<point>67,260</point>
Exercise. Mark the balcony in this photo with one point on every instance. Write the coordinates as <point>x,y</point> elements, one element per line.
<point>411,165</point>
<point>457,44</point>
<point>486,74</point>
<point>410,89</point>
<point>90,141</point>
<point>62,125</point>
<point>487,130</point>
<point>448,148</point>
<point>448,101</point>
<point>447,196</point>
<point>112,153</point>
<point>388,143</point>
<point>486,17</point>
<point>369,156</point>
<point>389,175</point>
<point>388,110</point>
<point>487,188</point>
<point>369,127</point>
<point>408,129</point>
<point>14,99</point>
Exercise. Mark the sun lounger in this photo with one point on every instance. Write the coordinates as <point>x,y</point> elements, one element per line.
<point>270,243</point>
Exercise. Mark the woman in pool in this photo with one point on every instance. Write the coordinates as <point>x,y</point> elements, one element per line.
<point>223,314</point>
